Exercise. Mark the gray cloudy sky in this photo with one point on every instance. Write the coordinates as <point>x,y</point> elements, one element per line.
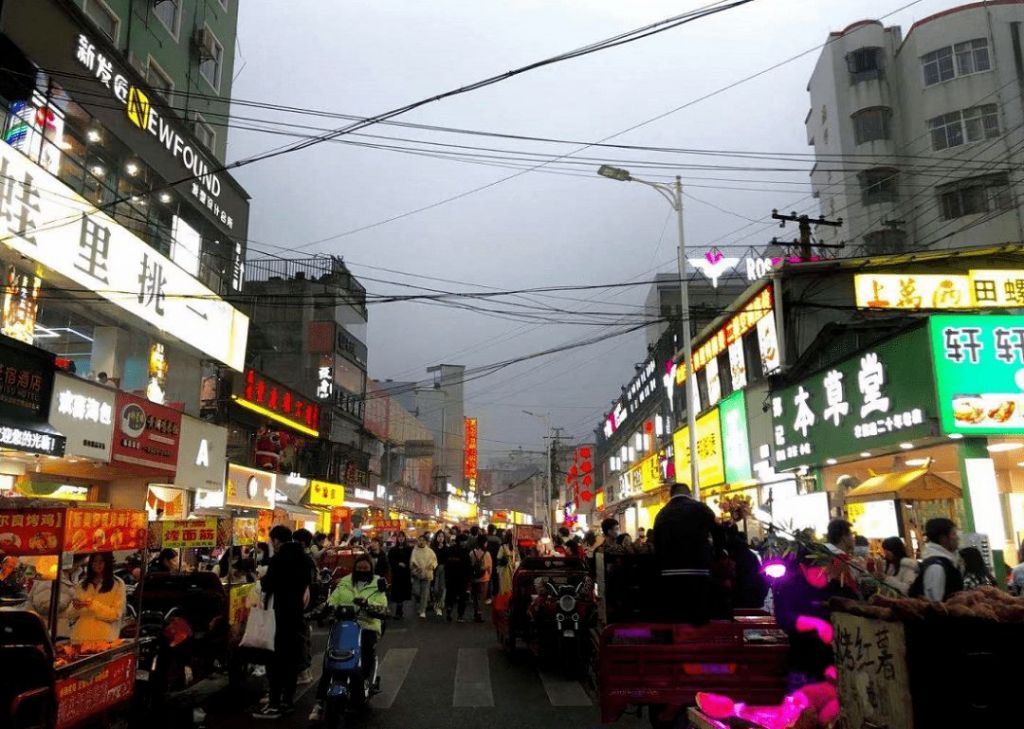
<point>539,229</point>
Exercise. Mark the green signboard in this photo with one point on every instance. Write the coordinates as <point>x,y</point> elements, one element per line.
<point>734,438</point>
<point>979,371</point>
<point>877,399</point>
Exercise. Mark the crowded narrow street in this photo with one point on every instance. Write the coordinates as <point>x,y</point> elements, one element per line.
<point>435,674</point>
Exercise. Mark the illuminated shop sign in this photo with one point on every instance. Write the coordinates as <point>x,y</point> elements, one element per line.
<point>710,462</point>
<point>31,441</point>
<point>99,255</point>
<point>279,403</point>
<point>84,412</point>
<point>146,434</point>
<point>977,289</point>
<point>469,470</point>
<point>20,305</point>
<point>879,398</point>
<point>142,113</point>
<point>979,371</point>
<point>713,265</point>
<point>745,320</point>
<point>250,487</point>
<point>643,385</point>
<point>323,493</point>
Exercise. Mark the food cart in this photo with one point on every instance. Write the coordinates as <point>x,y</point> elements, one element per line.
<point>85,679</point>
<point>900,503</point>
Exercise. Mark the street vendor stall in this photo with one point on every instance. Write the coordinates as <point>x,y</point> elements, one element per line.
<point>900,503</point>
<point>81,630</point>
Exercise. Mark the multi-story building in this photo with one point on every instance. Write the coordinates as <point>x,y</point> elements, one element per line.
<point>919,139</point>
<point>185,50</point>
<point>121,243</point>
<point>711,289</point>
<point>309,324</point>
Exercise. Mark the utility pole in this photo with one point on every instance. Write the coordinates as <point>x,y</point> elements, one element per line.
<point>804,223</point>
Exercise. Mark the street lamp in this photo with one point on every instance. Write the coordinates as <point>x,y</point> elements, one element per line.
<point>674,195</point>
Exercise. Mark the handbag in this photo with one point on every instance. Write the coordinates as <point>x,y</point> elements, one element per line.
<point>260,628</point>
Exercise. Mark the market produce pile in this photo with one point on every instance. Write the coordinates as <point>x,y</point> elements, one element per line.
<point>984,603</point>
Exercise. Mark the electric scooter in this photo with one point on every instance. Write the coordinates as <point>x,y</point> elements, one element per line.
<point>351,681</point>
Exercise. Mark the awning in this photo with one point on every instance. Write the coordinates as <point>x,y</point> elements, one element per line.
<point>300,513</point>
<point>916,485</point>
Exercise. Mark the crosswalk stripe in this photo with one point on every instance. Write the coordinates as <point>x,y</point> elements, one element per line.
<point>472,679</point>
<point>394,669</point>
<point>563,691</point>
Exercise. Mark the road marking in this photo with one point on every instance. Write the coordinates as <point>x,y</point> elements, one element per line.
<point>564,692</point>
<point>472,679</point>
<point>393,671</point>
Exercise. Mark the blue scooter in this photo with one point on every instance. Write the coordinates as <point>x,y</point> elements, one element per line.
<point>351,681</point>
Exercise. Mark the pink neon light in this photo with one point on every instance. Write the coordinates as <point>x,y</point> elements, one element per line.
<point>807,624</point>
<point>775,570</point>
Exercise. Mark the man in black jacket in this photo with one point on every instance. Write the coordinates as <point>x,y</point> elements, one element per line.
<point>684,550</point>
<point>287,583</point>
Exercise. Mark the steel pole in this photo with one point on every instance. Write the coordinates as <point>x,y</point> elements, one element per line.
<point>684,301</point>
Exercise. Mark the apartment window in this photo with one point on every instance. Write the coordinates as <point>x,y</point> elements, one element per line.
<point>870,125</point>
<point>975,196</point>
<point>938,66</point>
<point>972,56</point>
<point>103,17</point>
<point>864,64</point>
<point>158,79</point>
<point>981,122</point>
<point>879,185</point>
<point>204,132</point>
<point>888,240</point>
<point>168,12</point>
<point>211,55</point>
<point>947,130</point>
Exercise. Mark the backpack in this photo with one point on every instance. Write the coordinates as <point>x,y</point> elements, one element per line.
<point>954,580</point>
<point>478,565</point>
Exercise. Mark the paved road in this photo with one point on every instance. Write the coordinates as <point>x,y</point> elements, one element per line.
<point>436,675</point>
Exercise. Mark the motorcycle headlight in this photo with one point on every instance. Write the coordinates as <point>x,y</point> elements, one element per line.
<point>567,603</point>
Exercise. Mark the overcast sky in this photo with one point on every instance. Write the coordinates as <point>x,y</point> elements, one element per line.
<point>539,229</point>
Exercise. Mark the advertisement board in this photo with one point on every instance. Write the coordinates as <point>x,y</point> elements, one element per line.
<point>202,455</point>
<point>84,412</point>
<point>734,437</point>
<point>268,397</point>
<point>96,253</point>
<point>189,533</point>
<point>30,532</point>
<point>146,435</point>
<point>86,694</point>
<point>250,488</point>
<point>864,402</point>
<point>979,373</point>
<point>99,530</point>
<point>469,470</point>
<point>710,463</point>
<point>976,289</point>
<point>324,493</point>
<point>26,377</point>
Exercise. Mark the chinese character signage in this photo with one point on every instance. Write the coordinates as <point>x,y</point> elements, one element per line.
<point>26,379</point>
<point>82,695</point>
<point>977,289</point>
<point>734,437</point>
<point>29,532</point>
<point>20,304</point>
<point>250,488</point>
<point>470,469</point>
<point>878,398</point>
<point>323,493</point>
<point>99,255</point>
<point>84,412</point>
<point>31,441</point>
<point>979,372</point>
<point>104,530</point>
<point>146,435</point>
<point>277,402</point>
<point>189,533</point>
<point>710,465</point>
<point>744,321</point>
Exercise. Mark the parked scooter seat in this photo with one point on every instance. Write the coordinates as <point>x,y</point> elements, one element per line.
<point>26,670</point>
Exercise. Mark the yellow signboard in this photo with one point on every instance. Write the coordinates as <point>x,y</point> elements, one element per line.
<point>190,533</point>
<point>977,289</point>
<point>650,473</point>
<point>710,463</point>
<point>323,493</point>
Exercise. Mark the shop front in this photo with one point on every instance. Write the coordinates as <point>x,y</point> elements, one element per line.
<point>926,423</point>
<point>327,499</point>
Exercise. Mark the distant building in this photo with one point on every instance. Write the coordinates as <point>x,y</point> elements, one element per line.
<point>707,300</point>
<point>918,139</point>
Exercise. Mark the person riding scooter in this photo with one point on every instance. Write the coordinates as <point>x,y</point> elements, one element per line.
<point>358,589</point>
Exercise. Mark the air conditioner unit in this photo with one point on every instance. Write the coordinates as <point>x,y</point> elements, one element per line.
<point>206,44</point>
